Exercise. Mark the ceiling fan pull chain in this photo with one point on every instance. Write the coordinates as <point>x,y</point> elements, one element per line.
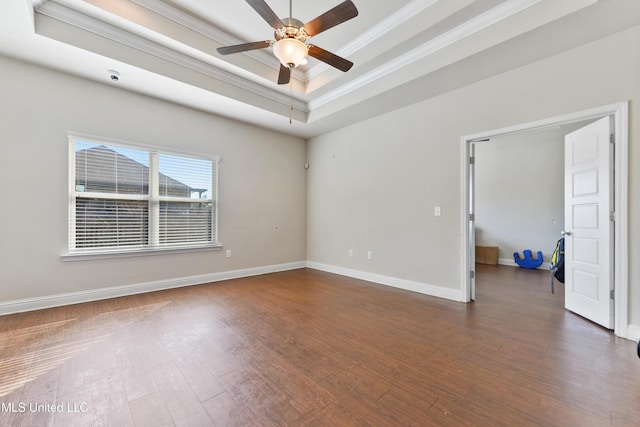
<point>291,102</point>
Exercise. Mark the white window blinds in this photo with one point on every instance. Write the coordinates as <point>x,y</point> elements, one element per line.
<point>128,198</point>
<point>185,213</point>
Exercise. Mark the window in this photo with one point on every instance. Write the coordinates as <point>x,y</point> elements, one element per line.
<point>127,198</point>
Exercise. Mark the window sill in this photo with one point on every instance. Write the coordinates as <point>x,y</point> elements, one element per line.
<point>86,256</point>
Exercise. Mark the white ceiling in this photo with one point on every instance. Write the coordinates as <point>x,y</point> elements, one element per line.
<point>404,51</point>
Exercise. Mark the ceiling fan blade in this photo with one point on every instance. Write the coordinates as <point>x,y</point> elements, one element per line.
<point>266,12</point>
<point>339,14</point>
<point>285,75</point>
<point>330,58</point>
<point>226,50</point>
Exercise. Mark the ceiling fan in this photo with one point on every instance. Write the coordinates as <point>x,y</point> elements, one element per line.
<point>290,36</point>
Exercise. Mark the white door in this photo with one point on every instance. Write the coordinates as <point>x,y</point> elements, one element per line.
<point>588,225</point>
<point>471,223</point>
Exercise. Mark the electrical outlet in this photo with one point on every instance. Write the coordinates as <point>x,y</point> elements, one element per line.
<point>228,253</point>
<point>369,255</point>
<point>437,211</point>
<point>350,252</point>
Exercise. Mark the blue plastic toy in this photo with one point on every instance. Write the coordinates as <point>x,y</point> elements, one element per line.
<point>527,261</point>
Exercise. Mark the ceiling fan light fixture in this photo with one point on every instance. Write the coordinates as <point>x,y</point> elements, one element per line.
<point>291,52</point>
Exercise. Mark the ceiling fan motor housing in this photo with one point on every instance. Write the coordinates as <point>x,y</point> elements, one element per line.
<point>293,29</point>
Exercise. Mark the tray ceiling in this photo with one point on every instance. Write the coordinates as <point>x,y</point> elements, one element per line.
<point>404,51</point>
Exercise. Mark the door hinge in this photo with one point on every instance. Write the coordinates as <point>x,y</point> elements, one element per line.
<point>612,216</point>
<point>472,217</point>
<point>472,274</point>
<point>612,294</point>
<point>472,160</point>
<point>612,138</point>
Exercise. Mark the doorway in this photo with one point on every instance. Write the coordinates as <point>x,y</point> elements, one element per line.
<point>619,113</point>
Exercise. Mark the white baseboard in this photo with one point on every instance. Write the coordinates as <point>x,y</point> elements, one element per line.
<point>49,301</point>
<point>511,263</point>
<point>633,332</point>
<point>423,288</point>
<point>30,304</point>
<point>507,261</point>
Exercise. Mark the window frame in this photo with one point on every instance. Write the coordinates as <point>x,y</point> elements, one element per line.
<point>154,199</point>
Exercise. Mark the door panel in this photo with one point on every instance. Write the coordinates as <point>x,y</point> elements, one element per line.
<point>586,284</point>
<point>585,183</point>
<point>585,250</point>
<point>588,275</point>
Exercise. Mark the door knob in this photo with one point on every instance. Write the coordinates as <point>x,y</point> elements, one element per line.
<point>565,233</point>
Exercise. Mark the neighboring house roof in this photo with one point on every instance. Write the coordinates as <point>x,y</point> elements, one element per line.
<point>102,168</point>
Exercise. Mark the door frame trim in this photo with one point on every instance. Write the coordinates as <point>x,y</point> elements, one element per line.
<point>620,112</point>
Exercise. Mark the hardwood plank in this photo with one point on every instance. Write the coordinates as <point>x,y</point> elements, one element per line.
<point>407,409</point>
<point>150,410</point>
<point>268,405</point>
<point>224,411</point>
<point>138,382</point>
<point>74,409</point>
<point>109,403</point>
<point>203,382</point>
<point>180,399</point>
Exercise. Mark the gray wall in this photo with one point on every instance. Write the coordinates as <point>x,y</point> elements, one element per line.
<point>262,183</point>
<point>373,185</point>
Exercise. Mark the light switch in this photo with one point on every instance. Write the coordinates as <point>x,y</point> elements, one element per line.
<point>437,211</point>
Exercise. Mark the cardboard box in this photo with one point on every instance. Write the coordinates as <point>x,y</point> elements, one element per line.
<point>487,255</point>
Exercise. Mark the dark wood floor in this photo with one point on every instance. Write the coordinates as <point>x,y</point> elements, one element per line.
<point>310,348</point>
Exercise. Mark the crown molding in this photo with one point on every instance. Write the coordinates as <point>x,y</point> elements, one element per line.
<point>185,19</point>
<point>383,28</point>
<point>180,17</point>
<point>97,21</point>
<point>473,26</point>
